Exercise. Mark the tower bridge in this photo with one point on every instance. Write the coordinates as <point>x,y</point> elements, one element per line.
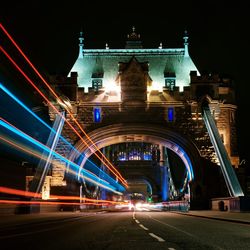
<point>137,121</point>
<point>152,96</point>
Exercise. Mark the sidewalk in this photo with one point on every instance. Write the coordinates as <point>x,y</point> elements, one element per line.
<point>237,217</point>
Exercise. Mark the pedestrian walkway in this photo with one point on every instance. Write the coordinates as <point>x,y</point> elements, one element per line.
<point>238,217</point>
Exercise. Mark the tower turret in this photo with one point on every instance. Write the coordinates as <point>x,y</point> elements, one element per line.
<point>81,45</point>
<point>185,37</point>
<point>134,41</point>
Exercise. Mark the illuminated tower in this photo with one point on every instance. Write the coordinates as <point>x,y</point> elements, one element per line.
<point>156,97</point>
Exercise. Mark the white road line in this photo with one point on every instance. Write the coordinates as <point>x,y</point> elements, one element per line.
<point>168,225</point>
<point>134,215</point>
<point>156,237</point>
<point>170,248</point>
<point>143,227</point>
<point>137,221</point>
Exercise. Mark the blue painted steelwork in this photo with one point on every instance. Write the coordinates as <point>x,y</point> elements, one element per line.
<point>164,183</point>
<point>184,157</point>
<point>164,175</point>
<point>232,182</point>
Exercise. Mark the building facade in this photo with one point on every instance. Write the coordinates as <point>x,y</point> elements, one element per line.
<point>141,107</point>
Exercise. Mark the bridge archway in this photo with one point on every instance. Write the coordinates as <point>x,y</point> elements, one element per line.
<point>151,133</point>
<point>142,185</point>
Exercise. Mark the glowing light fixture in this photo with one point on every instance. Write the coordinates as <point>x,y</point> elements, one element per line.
<point>97,114</point>
<point>171,114</point>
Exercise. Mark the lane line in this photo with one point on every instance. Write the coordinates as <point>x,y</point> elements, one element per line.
<point>134,215</point>
<point>156,237</point>
<point>137,221</point>
<point>143,227</point>
<point>177,229</point>
<point>171,248</point>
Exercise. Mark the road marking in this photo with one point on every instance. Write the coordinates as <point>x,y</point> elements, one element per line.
<point>143,227</point>
<point>168,225</point>
<point>170,248</point>
<point>134,215</point>
<point>156,237</point>
<point>137,221</point>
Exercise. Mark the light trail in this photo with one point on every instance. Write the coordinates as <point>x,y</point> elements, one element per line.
<point>25,149</point>
<point>13,191</point>
<point>70,113</point>
<point>87,174</point>
<point>16,202</point>
<point>51,129</point>
<point>11,95</point>
<point>57,111</point>
<point>38,155</point>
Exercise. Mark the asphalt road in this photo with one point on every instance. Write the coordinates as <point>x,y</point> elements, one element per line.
<point>121,230</point>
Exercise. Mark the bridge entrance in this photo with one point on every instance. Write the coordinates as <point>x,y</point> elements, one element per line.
<point>142,155</point>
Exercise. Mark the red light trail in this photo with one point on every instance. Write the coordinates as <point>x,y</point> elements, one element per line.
<point>25,149</point>
<point>107,163</point>
<point>113,169</point>
<point>12,191</point>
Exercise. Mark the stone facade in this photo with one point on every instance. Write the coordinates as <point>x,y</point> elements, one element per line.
<point>188,122</point>
<point>128,93</point>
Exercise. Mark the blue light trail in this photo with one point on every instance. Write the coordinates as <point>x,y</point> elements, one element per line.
<point>87,175</point>
<point>95,169</point>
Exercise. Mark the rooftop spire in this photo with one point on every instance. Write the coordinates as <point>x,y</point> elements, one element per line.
<point>133,35</point>
<point>185,37</point>
<point>81,45</point>
<point>133,41</point>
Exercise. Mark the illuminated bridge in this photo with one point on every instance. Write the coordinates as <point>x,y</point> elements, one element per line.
<point>127,123</point>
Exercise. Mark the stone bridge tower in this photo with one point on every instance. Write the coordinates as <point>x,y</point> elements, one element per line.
<point>152,99</point>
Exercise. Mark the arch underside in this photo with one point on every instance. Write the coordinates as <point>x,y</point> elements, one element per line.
<point>120,133</point>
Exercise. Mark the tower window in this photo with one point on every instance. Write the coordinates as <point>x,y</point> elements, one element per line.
<point>97,114</point>
<point>97,84</point>
<point>171,114</point>
<point>170,79</point>
<point>170,84</point>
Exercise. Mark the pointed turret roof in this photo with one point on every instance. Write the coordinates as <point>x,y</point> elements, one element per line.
<point>134,41</point>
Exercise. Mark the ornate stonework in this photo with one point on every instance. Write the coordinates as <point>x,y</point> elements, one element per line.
<point>134,79</point>
<point>135,98</point>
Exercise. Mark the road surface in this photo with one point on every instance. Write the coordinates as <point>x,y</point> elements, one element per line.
<point>120,230</point>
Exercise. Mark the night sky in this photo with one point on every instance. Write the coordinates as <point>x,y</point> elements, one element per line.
<point>48,33</point>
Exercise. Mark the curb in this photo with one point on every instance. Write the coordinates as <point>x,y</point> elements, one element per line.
<point>217,218</point>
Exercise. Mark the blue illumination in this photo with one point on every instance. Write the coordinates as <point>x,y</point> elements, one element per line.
<point>97,114</point>
<point>147,157</point>
<point>96,168</point>
<point>170,114</point>
<point>164,183</point>
<point>34,115</point>
<point>90,177</point>
<point>183,155</point>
